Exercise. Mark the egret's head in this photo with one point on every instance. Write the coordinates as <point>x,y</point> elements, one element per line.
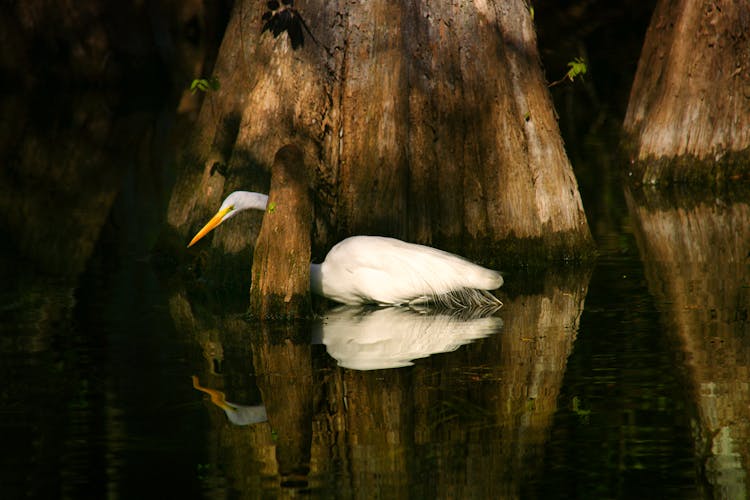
<point>231,206</point>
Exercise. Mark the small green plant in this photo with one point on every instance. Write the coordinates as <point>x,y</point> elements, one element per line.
<point>577,68</point>
<point>271,207</point>
<point>205,85</point>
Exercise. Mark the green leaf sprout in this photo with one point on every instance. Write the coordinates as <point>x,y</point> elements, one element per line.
<point>205,85</point>
<point>577,68</point>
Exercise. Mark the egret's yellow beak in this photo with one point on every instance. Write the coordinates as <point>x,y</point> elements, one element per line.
<point>217,397</point>
<point>210,225</point>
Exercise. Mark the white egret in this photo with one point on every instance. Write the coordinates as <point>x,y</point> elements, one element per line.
<point>381,270</point>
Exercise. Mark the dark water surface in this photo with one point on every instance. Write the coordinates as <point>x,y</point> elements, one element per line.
<point>625,380</point>
<point>98,399</point>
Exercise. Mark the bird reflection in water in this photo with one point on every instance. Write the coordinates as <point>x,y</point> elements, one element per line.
<point>373,338</point>
<point>236,413</point>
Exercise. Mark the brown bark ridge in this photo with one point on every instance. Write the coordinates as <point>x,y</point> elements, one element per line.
<point>691,93</point>
<point>280,286</point>
<point>696,262</point>
<point>427,121</point>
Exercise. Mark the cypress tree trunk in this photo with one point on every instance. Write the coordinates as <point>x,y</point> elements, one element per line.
<point>426,121</point>
<point>690,102</point>
<point>281,262</point>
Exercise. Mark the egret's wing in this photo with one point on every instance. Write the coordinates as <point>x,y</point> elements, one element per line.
<point>390,271</point>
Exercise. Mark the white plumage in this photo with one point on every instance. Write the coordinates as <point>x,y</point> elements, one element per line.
<point>376,269</point>
<point>380,270</point>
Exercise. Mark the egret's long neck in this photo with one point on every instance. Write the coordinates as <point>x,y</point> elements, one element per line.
<point>316,279</point>
<point>240,201</point>
<point>257,201</point>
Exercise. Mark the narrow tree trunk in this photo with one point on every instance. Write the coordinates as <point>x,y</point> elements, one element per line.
<point>691,95</point>
<point>428,121</point>
<point>280,286</point>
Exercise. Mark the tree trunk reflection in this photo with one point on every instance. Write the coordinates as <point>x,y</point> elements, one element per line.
<point>468,423</point>
<point>695,254</point>
<point>283,364</point>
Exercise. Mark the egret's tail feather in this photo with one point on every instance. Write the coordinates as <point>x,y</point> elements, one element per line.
<point>465,298</point>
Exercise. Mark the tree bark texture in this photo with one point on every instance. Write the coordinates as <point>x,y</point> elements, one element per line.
<point>428,121</point>
<point>691,93</point>
<point>280,286</point>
